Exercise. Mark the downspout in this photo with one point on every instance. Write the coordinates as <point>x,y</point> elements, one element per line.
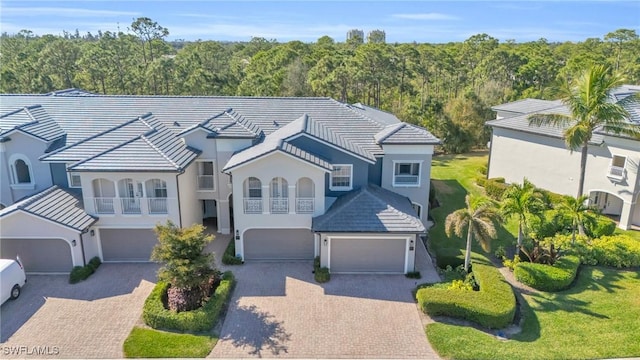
<point>490,150</point>
<point>84,259</point>
<point>178,197</point>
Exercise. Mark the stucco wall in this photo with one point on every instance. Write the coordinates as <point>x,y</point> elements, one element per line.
<point>190,206</point>
<point>32,149</point>
<point>21,225</point>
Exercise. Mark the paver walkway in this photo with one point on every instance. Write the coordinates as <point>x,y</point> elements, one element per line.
<point>278,310</point>
<point>91,319</point>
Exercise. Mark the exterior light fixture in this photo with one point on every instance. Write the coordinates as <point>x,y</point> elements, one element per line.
<point>238,235</point>
<point>92,232</point>
<point>73,242</point>
<point>325,242</point>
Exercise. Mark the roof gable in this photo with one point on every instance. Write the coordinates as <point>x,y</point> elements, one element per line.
<point>31,120</point>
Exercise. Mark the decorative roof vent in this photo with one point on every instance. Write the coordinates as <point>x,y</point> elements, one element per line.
<point>275,123</point>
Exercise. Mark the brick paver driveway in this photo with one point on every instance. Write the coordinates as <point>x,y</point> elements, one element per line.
<point>278,310</point>
<point>90,319</point>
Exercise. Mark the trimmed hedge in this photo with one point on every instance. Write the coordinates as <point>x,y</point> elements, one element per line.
<point>603,227</point>
<point>229,257</point>
<point>493,306</point>
<point>156,316</point>
<point>619,251</point>
<point>548,277</point>
<point>79,273</point>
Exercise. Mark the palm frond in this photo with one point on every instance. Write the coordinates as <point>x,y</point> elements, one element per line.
<point>556,120</point>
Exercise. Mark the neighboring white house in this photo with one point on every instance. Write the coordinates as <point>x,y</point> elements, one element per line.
<point>612,179</point>
<point>269,170</point>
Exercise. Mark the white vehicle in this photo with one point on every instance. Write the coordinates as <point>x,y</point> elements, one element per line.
<point>12,279</point>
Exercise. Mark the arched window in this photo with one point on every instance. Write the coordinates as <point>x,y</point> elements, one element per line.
<point>252,191</point>
<point>305,193</point>
<point>103,194</point>
<point>21,172</point>
<point>279,189</point>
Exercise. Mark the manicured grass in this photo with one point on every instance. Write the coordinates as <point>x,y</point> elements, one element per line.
<point>597,318</point>
<point>149,343</point>
<point>634,234</point>
<point>454,176</point>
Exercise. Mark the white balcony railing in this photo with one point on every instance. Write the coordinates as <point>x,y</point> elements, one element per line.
<point>130,205</point>
<point>157,205</point>
<point>279,205</point>
<point>253,205</point>
<point>304,205</point>
<point>104,205</point>
<point>616,172</point>
<point>205,182</point>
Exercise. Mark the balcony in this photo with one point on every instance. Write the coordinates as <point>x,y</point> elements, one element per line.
<point>157,205</point>
<point>130,206</point>
<point>206,182</point>
<point>253,205</point>
<point>305,205</point>
<point>616,173</point>
<point>104,205</point>
<point>279,205</point>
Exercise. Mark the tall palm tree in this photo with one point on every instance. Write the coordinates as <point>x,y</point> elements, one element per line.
<point>587,98</point>
<point>522,201</point>
<point>478,218</point>
<point>579,212</point>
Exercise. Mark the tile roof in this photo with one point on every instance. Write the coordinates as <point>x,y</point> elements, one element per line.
<point>227,124</point>
<point>525,108</point>
<point>33,120</point>
<point>369,209</point>
<point>276,141</point>
<point>57,205</point>
<point>404,133</point>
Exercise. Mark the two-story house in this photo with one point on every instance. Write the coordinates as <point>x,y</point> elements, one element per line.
<point>87,175</point>
<point>612,178</point>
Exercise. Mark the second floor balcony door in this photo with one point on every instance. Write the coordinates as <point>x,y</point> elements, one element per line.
<point>279,196</point>
<point>130,194</point>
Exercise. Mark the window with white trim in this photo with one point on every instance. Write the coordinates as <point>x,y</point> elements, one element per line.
<point>418,208</point>
<point>206,175</point>
<point>617,167</point>
<point>406,173</point>
<point>74,179</point>
<point>21,171</point>
<point>341,177</point>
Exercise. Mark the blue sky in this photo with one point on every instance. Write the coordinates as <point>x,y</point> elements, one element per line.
<point>403,21</point>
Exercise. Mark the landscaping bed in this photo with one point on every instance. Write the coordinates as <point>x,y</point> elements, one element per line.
<point>556,277</point>
<point>149,343</point>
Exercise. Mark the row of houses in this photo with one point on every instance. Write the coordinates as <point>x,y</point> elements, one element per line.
<point>84,175</point>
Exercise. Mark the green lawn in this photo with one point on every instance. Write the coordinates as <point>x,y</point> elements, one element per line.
<point>149,343</point>
<point>597,318</point>
<point>453,177</point>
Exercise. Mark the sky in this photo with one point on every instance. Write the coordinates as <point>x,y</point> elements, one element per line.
<point>403,21</point>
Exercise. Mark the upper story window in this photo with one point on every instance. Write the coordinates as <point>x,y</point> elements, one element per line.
<point>252,196</point>
<point>206,175</point>
<point>616,169</point>
<point>341,177</point>
<point>74,179</point>
<point>417,208</point>
<point>21,171</point>
<point>406,173</point>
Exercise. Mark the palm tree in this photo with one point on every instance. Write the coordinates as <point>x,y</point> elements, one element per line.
<point>478,218</point>
<point>523,202</point>
<point>577,210</point>
<point>587,98</point>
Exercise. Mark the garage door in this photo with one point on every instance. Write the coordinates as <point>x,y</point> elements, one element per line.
<point>127,244</point>
<point>278,244</point>
<point>367,255</point>
<point>39,255</point>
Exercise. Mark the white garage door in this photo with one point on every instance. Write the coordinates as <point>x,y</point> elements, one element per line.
<point>39,255</point>
<point>127,244</point>
<point>278,244</point>
<point>367,255</point>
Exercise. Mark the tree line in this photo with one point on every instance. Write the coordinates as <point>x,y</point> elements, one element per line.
<point>447,88</point>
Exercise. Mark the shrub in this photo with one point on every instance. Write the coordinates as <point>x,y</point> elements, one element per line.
<point>548,277</point>
<point>618,251</point>
<point>495,189</point>
<point>481,181</point>
<point>204,318</point>
<point>602,227</point>
<point>511,264</point>
<point>413,275</point>
<point>79,273</point>
<point>322,275</point>
<point>229,257</point>
<point>493,306</point>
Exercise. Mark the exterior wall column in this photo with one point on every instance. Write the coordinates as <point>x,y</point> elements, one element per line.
<point>292,199</point>
<point>224,218</point>
<point>266,198</point>
<point>626,217</point>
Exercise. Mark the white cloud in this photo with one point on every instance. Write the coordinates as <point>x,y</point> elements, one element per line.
<point>63,12</point>
<point>425,16</point>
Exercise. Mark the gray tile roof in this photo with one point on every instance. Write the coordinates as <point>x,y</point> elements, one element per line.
<point>525,108</point>
<point>157,150</point>
<point>32,120</point>
<point>276,141</point>
<point>57,205</point>
<point>369,209</point>
<point>406,134</point>
<point>227,124</point>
